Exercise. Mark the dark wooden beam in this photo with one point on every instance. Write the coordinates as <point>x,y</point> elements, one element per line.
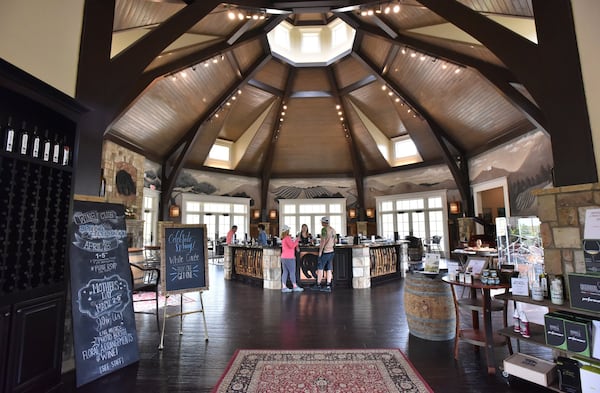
<point>357,85</point>
<point>267,167</point>
<point>358,168</point>
<point>456,159</point>
<point>177,156</point>
<point>550,71</point>
<point>265,87</point>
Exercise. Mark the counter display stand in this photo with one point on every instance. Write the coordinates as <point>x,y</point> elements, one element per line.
<point>537,331</point>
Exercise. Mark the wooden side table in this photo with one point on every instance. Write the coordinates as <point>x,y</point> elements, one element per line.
<point>485,337</point>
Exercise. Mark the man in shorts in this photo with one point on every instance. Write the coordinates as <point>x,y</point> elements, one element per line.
<point>326,253</point>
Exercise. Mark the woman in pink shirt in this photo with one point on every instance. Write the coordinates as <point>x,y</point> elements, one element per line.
<point>288,260</point>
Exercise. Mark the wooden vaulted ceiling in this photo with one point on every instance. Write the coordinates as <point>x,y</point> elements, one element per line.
<point>220,80</point>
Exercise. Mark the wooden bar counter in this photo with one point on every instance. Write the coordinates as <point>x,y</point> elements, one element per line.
<point>354,266</point>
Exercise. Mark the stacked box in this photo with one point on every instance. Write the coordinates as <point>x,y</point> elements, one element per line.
<point>554,323</point>
<point>578,332</point>
<point>530,368</point>
<point>584,291</point>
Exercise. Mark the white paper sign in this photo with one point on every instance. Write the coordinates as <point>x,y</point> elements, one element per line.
<point>520,286</point>
<point>432,263</point>
<point>591,229</point>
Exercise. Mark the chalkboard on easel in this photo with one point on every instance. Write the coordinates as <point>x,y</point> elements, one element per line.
<point>105,338</point>
<point>184,265</point>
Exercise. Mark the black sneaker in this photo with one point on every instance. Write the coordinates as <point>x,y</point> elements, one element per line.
<point>316,288</point>
<point>326,289</point>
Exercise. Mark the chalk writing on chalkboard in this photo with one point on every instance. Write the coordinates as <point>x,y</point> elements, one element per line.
<point>104,332</point>
<point>184,258</point>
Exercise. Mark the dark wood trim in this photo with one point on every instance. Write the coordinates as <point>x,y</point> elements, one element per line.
<point>358,167</point>
<point>556,59</point>
<point>437,132</point>
<point>265,87</point>
<point>267,166</point>
<point>175,160</point>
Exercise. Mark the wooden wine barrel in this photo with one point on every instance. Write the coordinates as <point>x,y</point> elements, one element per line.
<point>429,307</point>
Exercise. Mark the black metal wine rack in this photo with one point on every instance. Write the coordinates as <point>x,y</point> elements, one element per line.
<point>34,205</point>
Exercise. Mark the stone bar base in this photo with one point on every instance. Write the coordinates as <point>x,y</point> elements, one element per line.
<point>271,268</point>
<point>361,268</point>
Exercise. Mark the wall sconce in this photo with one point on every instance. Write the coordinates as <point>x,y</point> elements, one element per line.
<point>174,211</point>
<point>352,213</point>
<point>256,214</point>
<point>454,207</point>
<point>370,212</point>
<point>272,214</point>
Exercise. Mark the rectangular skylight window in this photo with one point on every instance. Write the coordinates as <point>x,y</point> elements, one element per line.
<point>405,151</point>
<point>311,43</point>
<point>219,152</point>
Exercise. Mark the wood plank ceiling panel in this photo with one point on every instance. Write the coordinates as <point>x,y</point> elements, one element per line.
<point>376,49</point>
<point>244,110</point>
<point>349,71</point>
<point>167,109</point>
<point>411,15</point>
<point>311,141</point>
<point>248,53</point>
<point>370,155</point>
<point>311,79</point>
<point>380,108</point>
<point>476,51</point>
<point>445,94</point>
<point>274,74</point>
<point>506,7</point>
<point>136,13</point>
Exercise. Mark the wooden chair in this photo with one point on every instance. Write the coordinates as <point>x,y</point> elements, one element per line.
<point>143,280</point>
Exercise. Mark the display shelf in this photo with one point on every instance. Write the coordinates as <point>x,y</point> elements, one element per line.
<point>545,303</point>
<point>477,337</point>
<point>477,304</point>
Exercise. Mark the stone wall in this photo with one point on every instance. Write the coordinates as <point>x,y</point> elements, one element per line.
<point>562,213</point>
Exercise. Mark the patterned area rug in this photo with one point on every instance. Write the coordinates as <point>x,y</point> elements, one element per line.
<point>308,371</point>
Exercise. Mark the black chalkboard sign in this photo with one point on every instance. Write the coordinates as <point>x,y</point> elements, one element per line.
<point>184,250</point>
<point>104,332</point>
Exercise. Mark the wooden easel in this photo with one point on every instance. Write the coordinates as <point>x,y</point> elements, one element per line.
<point>181,314</point>
<point>184,256</point>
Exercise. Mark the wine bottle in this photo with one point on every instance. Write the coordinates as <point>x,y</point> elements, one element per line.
<point>55,150</point>
<point>9,136</point>
<point>35,146</point>
<point>102,191</point>
<point>46,152</point>
<point>66,152</point>
<point>24,139</point>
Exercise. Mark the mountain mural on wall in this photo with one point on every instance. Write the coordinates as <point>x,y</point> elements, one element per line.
<point>311,188</point>
<point>527,165</point>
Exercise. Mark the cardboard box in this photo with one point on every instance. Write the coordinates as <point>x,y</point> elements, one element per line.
<point>590,379</point>
<point>584,291</point>
<point>578,332</point>
<point>530,368</point>
<point>555,330</point>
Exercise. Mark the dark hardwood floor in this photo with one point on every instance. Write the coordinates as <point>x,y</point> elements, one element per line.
<point>242,316</point>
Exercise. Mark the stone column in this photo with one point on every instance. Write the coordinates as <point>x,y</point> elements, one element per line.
<point>271,268</point>
<point>227,263</point>
<point>361,268</point>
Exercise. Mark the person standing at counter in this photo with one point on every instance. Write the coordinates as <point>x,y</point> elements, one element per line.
<point>288,260</point>
<point>231,235</point>
<point>262,235</point>
<point>305,236</point>
<point>326,253</point>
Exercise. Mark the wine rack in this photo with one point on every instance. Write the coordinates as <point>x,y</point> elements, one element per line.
<point>35,203</point>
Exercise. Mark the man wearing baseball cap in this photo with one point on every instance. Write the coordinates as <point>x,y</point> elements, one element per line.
<point>326,253</point>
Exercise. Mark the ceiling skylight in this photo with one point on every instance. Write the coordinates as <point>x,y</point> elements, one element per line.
<point>311,45</point>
